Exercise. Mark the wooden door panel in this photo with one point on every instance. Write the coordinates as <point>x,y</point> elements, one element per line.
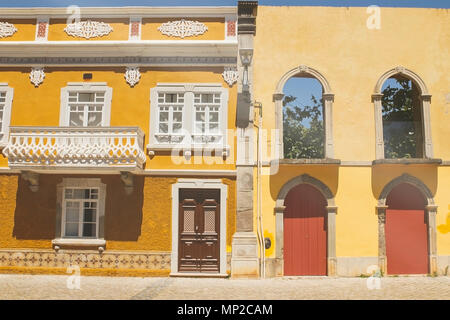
<point>406,231</point>
<point>406,242</point>
<point>199,232</point>
<point>305,234</point>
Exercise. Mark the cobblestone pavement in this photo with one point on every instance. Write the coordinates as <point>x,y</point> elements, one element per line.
<point>55,287</point>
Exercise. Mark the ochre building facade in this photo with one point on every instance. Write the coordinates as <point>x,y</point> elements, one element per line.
<point>149,141</point>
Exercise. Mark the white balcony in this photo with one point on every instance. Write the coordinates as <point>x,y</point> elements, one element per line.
<point>116,148</point>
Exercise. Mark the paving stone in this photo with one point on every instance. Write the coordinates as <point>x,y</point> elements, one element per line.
<point>123,288</point>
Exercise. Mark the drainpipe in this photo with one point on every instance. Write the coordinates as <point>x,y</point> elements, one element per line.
<point>260,227</point>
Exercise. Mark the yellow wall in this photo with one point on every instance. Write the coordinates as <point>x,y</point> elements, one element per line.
<point>337,43</point>
<point>26,30</point>
<point>130,106</point>
<point>140,221</point>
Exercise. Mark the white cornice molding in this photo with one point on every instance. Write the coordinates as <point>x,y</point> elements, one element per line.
<point>118,61</point>
<point>121,12</point>
<point>125,48</point>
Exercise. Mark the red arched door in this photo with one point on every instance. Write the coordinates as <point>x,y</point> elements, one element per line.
<point>305,234</point>
<point>406,231</point>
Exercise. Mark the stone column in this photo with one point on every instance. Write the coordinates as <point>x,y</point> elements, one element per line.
<point>279,245</point>
<point>428,148</point>
<point>244,256</point>
<point>379,143</point>
<point>328,122</point>
<point>331,240</point>
<point>382,261</point>
<point>432,251</point>
<point>278,99</point>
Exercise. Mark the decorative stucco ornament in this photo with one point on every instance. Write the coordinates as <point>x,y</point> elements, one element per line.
<point>132,75</point>
<point>183,28</point>
<point>400,69</point>
<point>37,76</point>
<point>7,29</point>
<point>230,75</point>
<point>88,29</point>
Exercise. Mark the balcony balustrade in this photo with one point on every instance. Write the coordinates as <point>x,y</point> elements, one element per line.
<point>75,147</point>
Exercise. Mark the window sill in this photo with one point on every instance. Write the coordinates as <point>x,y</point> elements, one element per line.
<point>66,242</point>
<point>407,161</point>
<point>327,161</point>
<point>188,149</point>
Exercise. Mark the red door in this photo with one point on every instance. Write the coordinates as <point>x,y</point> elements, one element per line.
<point>305,234</point>
<point>406,231</point>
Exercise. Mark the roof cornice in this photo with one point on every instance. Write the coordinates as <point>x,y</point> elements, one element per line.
<point>119,12</point>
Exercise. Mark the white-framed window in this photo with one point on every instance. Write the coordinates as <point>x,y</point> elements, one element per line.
<point>85,105</point>
<point>207,117</point>
<point>170,116</point>
<point>188,114</point>
<point>6,97</point>
<point>82,203</point>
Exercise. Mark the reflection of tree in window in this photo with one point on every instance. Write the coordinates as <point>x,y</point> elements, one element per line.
<point>303,128</point>
<point>402,119</point>
<point>86,108</point>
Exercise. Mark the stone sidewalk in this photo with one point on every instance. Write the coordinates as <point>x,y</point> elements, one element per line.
<point>56,287</point>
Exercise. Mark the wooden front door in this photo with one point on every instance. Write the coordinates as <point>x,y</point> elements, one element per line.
<point>199,230</point>
<point>406,231</point>
<point>305,234</point>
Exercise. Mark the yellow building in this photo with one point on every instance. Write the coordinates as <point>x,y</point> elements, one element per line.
<point>116,122</point>
<point>151,141</point>
<point>365,201</point>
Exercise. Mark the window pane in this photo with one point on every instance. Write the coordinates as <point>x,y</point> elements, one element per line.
<point>94,119</point>
<point>214,127</point>
<point>164,116</point>
<point>89,230</point>
<point>94,194</point>
<point>76,119</point>
<point>207,98</point>
<point>213,116</point>
<point>177,116</point>
<point>86,97</point>
<point>176,127</point>
<point>200,127</point>
<point>72,211</point>
<point>171,97</point>
<point>71,230</point>
<point>163,128</point>
<point>200,116</point>
<point>90,215</point>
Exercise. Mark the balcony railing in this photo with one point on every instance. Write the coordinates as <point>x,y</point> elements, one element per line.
<point>75,147</point>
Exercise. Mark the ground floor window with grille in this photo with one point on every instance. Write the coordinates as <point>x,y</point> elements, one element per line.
<point>82,205</point>
<point>81,212</point>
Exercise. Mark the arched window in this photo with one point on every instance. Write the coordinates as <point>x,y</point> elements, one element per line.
<point>303,129</point>
<point>402,116</point>
<point>303,103</point>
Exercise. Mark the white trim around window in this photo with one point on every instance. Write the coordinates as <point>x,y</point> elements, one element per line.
<point>6,98</point>
<point>102,99</point>
<point>81,195</point>
<point>171,101</point>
